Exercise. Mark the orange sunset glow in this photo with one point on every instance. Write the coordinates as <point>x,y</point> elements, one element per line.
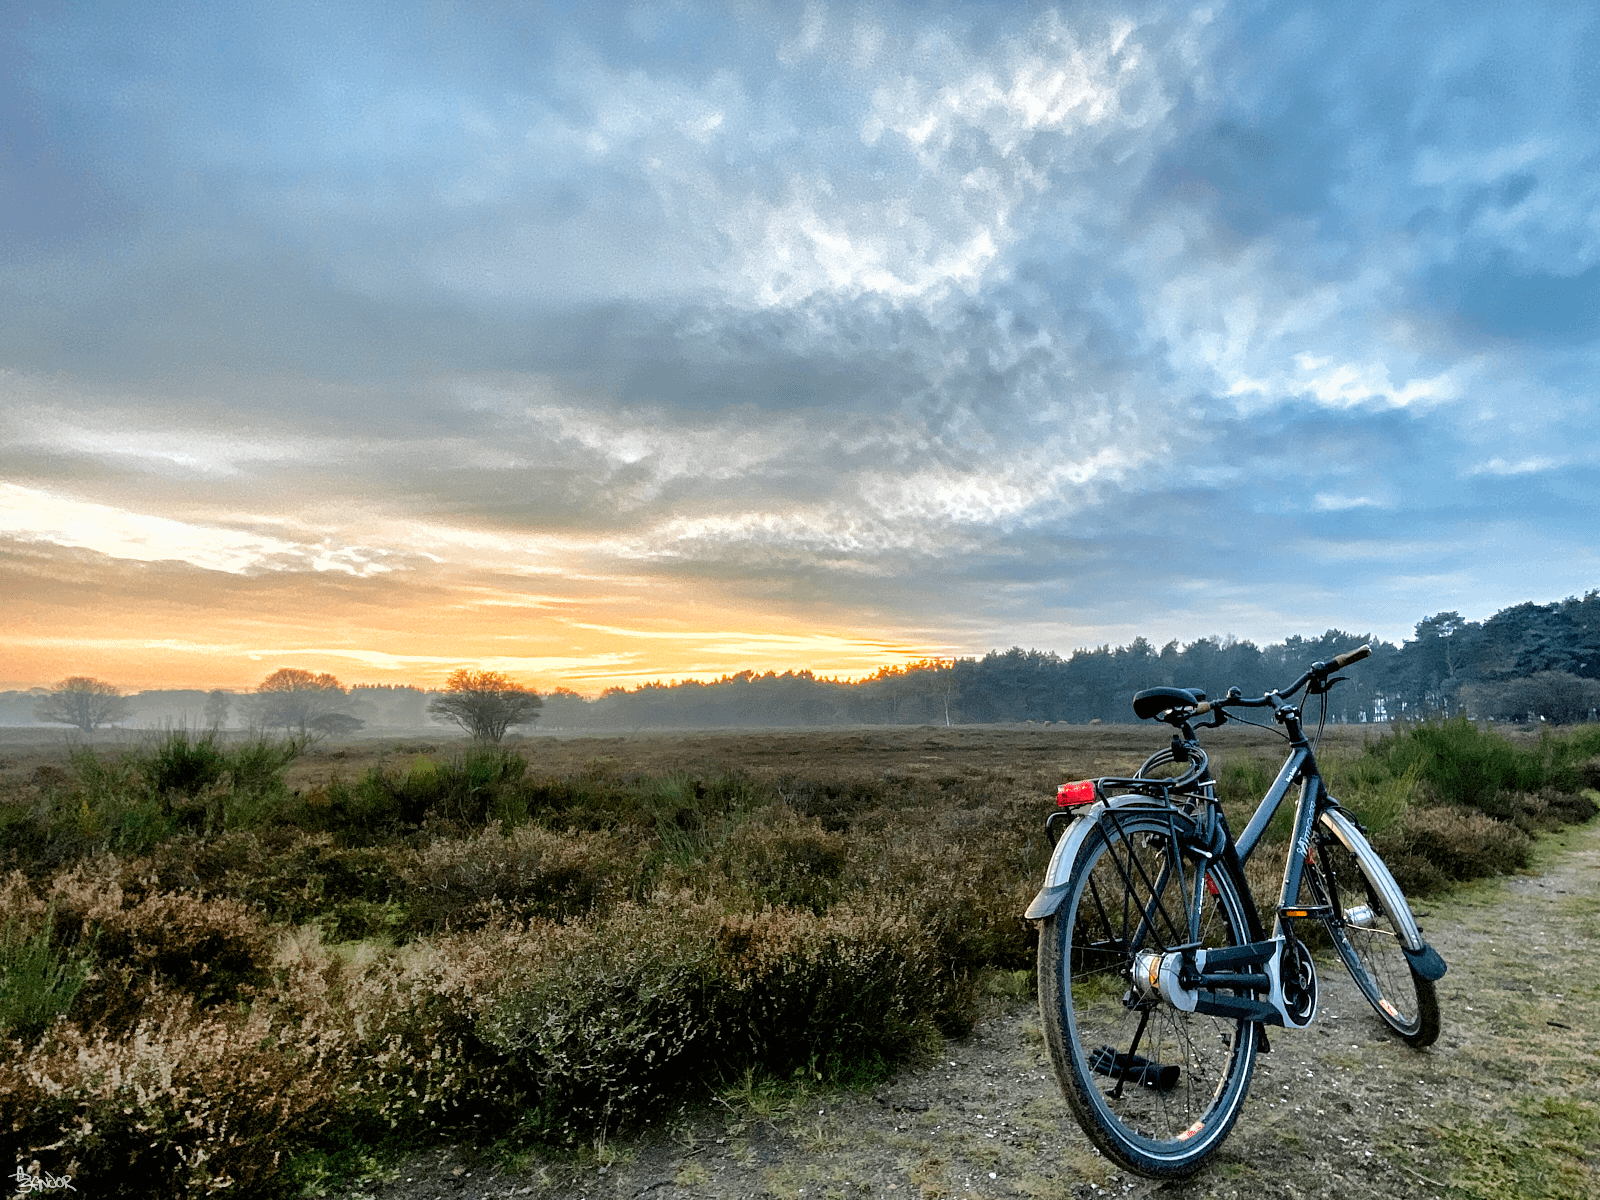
<point>541,612</point>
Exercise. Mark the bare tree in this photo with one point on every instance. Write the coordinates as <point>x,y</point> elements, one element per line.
<point>485,703</point>
<point>218,702</point>
<point>291,699</point>
<point>84,702</point>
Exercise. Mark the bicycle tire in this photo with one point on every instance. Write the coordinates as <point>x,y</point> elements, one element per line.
<point>1086,951</point>
<point>1367,939</point>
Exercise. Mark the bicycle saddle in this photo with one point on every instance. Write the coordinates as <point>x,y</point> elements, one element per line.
<point>1152,702</point>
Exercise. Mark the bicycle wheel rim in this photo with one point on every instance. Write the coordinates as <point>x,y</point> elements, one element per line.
<point>1367,938</point>
<point>1110,913</point>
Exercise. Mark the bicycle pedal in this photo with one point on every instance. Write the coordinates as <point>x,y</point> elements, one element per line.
<point>1134,1068</point>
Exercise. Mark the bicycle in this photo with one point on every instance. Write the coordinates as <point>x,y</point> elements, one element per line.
<point>1157,979</point>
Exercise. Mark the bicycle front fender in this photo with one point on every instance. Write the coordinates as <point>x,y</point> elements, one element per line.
<point>1421,955</point>
<point>1060,869</point>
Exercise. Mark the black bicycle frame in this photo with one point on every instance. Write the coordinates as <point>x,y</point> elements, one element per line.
<point>1300,765</point>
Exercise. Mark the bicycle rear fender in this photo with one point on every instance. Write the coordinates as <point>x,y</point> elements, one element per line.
<point>1060,869</point>
<point>1423,957</point>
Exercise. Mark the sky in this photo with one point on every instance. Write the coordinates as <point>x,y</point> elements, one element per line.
<point>607,343</point>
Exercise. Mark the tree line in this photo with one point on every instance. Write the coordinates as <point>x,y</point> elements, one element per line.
<point>305,706</point>
<point>1528,662</point>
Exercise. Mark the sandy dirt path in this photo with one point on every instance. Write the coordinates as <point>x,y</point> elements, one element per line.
<point>1506,1104</point>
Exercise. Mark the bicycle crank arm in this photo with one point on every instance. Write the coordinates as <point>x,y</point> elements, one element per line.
<point>1133,1068</point>
<point>1240,1008</point>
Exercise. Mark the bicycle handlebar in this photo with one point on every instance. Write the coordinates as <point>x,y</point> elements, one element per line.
<point>1319,670</point>
<point>1174,705</point>
<point>1348,657</point>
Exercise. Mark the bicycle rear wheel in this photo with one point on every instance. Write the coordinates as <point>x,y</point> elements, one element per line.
<point>1366,936</point>
<point>1155,1088</point>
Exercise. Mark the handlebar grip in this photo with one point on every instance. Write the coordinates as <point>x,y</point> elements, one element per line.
<point>1350,656</point>
<point>1202,708</point>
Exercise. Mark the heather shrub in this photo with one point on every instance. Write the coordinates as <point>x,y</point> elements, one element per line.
<point>1550,808</point>
<point>591,801</point>
<point>605,1031</point>
<point>857,988</point>
<point>782,859</point>
<point>833,802</point>
<point>217,864</point>
<point>188,1104</point>
<point>458,948</point>
<point>968,886</point>
<point>417,1065</point>
<point>214,949</point>
<point>291,876</point>
<point>1430,847</point>
<point>607,1023</point>
<point>529,873</point>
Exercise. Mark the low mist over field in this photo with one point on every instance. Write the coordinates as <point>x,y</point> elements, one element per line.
<point>1528,663</point>
<point>604,345</point>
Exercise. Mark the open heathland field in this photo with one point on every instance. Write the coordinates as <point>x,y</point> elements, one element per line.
<point>274,968</point>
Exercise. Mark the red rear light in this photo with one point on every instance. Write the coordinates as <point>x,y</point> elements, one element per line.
<point>1079,791</point>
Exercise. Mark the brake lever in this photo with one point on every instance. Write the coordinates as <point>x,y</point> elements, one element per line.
<point>1327,685</point>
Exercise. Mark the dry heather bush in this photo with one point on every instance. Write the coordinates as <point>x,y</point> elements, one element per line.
<point>837,800</point>
<point>290,877</point>
<point>861,984</point>
<point>189,1104</point>
<point>532,872</point>
<point>20,901</point>
<point>605,1023</point>
<point>968,883</point>
<point>563,983</point>
<point>214,949</point>
<point>409,1018</point>
<point>1550,808</point>
<point>1430,847</point>
<point>195,864</point>
<point>781,858</point>
<point>139,941</point>
<point>351,891</point>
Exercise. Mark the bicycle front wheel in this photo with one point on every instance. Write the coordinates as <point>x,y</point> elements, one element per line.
<point>1155,1088</point>
<point>1367,938</point>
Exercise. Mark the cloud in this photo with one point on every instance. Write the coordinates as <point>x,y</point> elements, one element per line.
<point>36,516</point>
<point>961,328</point>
